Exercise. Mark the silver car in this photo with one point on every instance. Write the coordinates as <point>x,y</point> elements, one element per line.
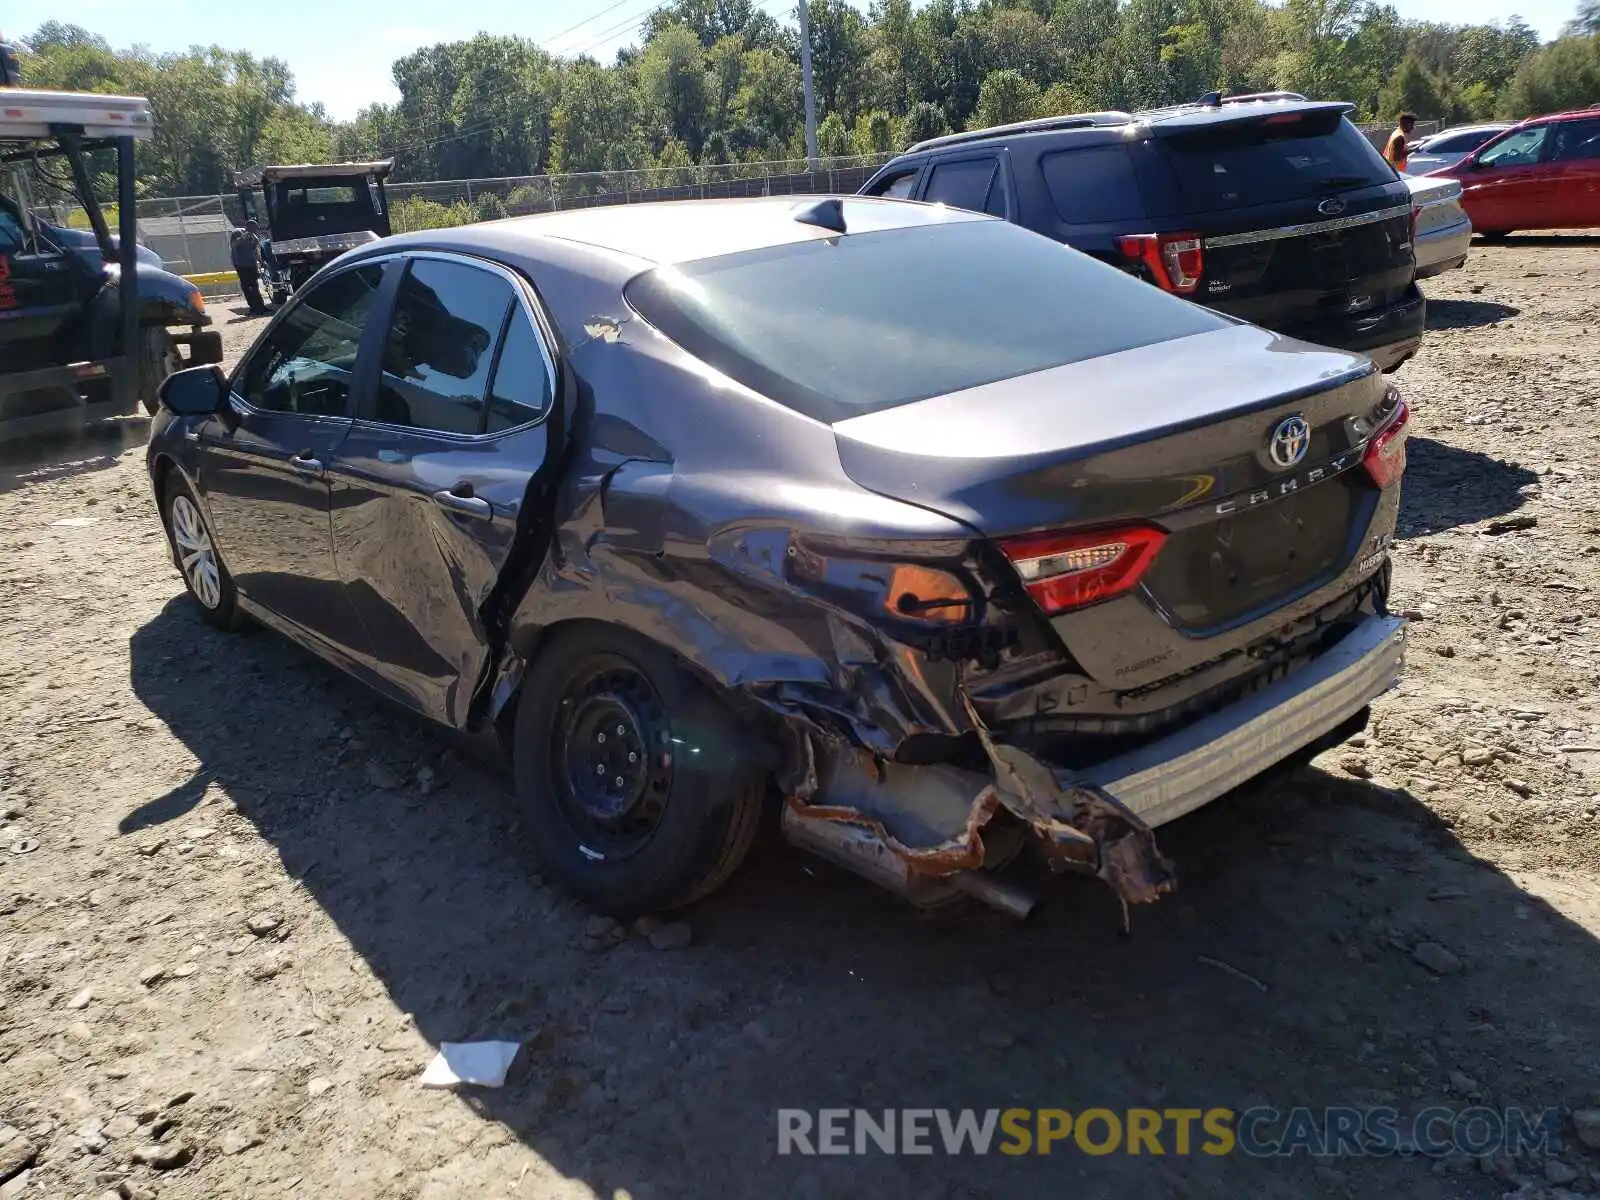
<point>1443,231</point>
<point>1448,147</point>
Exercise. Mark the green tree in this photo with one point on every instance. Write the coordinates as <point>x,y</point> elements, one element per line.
<point>595,125</point>
<point>924,121</point>
<point>769,94</point>
<point>724,73</point>
<point>1415,89</point>
<point>833,137</point>
<point>675,160</point>
<point>1005,97</point>
<point>874,134</point>
<point>1563,75</point>
<point>838,55</point>
<point>672,76</point>
<point>1016,39</point>
<point>1062,99</point>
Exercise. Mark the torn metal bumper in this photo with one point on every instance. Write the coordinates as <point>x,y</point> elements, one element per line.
<point>925,831</point>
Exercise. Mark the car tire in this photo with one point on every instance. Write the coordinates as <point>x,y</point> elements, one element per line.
<point>158,358</point>
<point>196,556</point>
<point>647,835</point>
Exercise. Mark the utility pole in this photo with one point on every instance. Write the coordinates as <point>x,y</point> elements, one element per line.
<point>805,80</point>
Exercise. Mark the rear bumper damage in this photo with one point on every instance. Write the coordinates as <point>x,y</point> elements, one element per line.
<point>930,832</point>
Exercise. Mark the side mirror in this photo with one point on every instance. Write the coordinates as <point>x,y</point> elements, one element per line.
<point>194,391</point>
<point>1471,164</point>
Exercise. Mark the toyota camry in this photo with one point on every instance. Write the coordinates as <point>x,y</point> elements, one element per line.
<point>931,537</point>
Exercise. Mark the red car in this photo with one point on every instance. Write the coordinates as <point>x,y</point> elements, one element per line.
<point>1541,174</point>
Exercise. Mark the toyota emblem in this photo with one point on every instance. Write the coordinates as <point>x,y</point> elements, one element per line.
<point>1289,442</point>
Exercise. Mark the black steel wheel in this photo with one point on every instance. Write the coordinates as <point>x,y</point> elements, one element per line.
<point>611,744</point>
<point>637,787</point>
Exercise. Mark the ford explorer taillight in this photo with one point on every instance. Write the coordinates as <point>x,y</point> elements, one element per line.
<point>1175,261</point>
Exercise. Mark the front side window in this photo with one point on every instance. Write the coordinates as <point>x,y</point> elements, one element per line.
<point>1518,149</point>
<point>962,184</point>
<point>841,327</point>
<point>439,350</point>
<point>897,187</point>
<point>307,363</point>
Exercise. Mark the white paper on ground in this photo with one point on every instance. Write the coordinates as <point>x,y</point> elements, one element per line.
<point>481,1063</point>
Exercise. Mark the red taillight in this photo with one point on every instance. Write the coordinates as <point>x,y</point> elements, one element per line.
<point>1385,459</point>
<point>1175,260</point>
<point>1070,570</point>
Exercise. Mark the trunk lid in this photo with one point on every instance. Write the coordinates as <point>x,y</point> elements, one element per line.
<point>1176,434</point>
<point>1303,221</point>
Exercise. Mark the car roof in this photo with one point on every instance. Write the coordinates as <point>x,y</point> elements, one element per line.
<point>1201,116</point>
<point>1576,114</point>
<point>679,231</point>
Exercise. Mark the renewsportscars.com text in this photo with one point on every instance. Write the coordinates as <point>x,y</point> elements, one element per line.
<point>1261,1132</point>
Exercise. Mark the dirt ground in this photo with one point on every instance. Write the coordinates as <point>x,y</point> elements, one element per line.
<point>241,900</point>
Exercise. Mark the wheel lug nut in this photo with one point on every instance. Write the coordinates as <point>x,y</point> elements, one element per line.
<point>619,780</point>
<point>599,769</point>
<point>632,757</point>
<point>601,738</point>
<point>620,729</point>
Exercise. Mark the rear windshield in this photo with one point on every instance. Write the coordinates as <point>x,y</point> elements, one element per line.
<point>1239,165</point>
<point>835,328</point>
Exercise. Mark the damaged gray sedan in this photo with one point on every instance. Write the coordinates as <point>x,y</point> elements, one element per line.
<point>943,540</point>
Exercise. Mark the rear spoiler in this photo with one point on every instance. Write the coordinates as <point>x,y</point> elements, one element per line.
<point>1188,122</point>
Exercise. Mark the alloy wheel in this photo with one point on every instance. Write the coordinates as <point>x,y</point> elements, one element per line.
<point>196,555</point>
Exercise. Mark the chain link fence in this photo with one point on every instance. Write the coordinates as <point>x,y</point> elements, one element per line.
<point>191,232</point>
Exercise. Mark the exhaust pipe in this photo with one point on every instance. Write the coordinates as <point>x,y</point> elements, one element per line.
<point>996,893</point>
<point>862,852</point>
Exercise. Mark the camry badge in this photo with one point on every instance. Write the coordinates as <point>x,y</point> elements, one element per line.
<point>1331,207</point>
<point>1289,442</point>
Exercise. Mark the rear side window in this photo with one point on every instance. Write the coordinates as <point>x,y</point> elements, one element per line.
<point>1575,140</point>
<point>962,184</point>
<point>1093,185</point>
<point>839,327</point>
<point>1238,165</point>
<point>524,379</point>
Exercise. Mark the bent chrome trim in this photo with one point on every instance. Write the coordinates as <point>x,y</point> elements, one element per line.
<point>1289,231</point>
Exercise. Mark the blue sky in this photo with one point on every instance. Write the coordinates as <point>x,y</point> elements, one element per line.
<point>340,52</point>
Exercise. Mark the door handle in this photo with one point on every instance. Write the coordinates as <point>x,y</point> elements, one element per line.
<point>305,464</point>
<point>460,499</point>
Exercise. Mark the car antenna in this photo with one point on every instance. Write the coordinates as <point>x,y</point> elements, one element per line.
<point>825,214</point>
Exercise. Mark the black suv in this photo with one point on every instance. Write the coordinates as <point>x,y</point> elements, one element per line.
<point>1270,208</point>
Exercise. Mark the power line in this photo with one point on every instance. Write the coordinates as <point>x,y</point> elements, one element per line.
<point>592,16</point>
<point>628,25</point>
